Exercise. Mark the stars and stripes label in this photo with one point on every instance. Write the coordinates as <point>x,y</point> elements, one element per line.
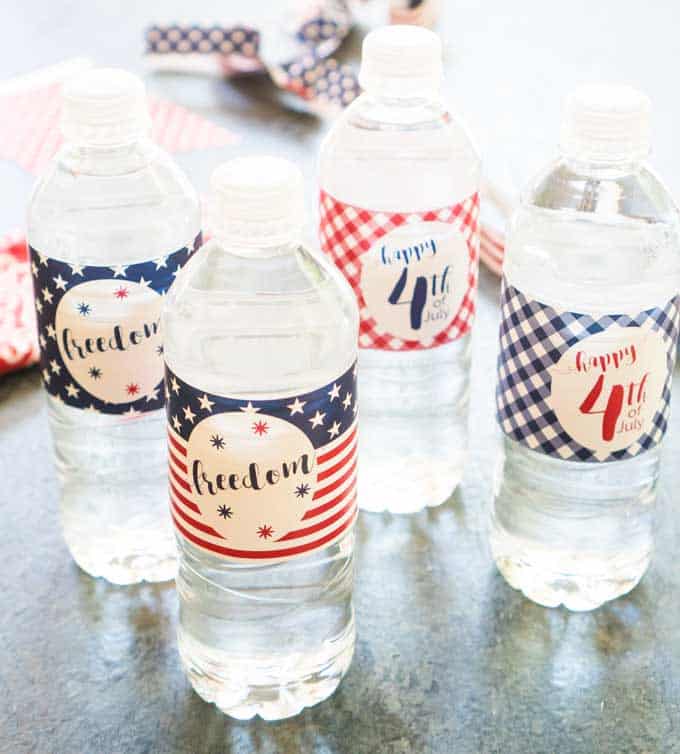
<point>257,480</point>
<point>414,273</point>
<point>581,387</point>
<point>101,346</point>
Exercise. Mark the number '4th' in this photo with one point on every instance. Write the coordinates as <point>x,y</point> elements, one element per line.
<point>634,393</point>
<point>418,298</point>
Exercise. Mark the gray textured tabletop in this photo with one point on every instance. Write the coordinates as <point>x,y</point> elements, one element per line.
<point>449,658</point>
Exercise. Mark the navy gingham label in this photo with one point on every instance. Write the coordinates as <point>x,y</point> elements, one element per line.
<point>101,348</point>
<point>533,339</point>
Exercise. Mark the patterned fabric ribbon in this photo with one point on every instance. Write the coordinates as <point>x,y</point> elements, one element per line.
<point>295,53</point>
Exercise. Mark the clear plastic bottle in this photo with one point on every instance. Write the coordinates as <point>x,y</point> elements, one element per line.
<point>588,342</point>
<point>109,223</point>
<point>261,343</point>
<point>399,189</point>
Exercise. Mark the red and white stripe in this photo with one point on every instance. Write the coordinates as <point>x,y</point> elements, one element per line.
<point>491,249</point>
<point>30,135</point>
<point>332,510</point>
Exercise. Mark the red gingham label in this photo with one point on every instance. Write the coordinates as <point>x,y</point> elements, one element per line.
<point>348,233</point>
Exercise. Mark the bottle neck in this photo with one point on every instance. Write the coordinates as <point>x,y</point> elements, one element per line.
<point>249,248</point>
<point>404,92</point>
<point>108,159</point>
<point>407,110</point>
<point>583,164</point>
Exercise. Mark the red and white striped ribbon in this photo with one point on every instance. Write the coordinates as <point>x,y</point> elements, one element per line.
<point>333,512</point>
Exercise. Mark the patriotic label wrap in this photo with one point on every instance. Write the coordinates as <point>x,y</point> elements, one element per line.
<point>262,479</point>
<point>584,388</point>
<point>101,347</point>
<point>414,273</point>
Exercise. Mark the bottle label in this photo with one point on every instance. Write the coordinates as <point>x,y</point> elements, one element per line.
<point>414,273</point>
<point>585,388</point>
<point>262,479</point>
<point>101,347</point>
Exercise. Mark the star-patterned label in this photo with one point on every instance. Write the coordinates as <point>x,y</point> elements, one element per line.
<point>262,479</point>
<point>101,346</point>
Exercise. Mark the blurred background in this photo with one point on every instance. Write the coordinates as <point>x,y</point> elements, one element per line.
<point>508,67</point>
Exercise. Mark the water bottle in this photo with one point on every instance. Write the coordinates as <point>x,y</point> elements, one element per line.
<point>587,347</point>
<point>399,209</point>
<point>110,224</point>
<point>261,342</point>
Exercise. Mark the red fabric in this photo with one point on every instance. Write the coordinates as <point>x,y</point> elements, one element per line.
<point>18,334</point>
<point>174,128</point>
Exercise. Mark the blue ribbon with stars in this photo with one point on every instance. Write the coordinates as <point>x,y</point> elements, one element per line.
<point>321,414</point>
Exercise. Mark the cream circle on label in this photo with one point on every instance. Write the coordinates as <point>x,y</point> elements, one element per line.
<point>108,334</point>
<point>252,477</point>
<point>606,389</point>
<point>414,279</point>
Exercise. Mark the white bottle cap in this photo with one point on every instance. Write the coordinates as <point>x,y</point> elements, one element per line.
<point>104,107</point>
<point>408,59</point>
<point>258,201</point>
<point>606,123</point>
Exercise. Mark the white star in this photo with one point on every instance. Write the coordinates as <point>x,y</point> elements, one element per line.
<point>206,404</point>
<point>60,282</point>
<point>296,407</point>
<point>356,366</point>
<point>46,375</point>
<point>51,332</point>
<point>117,270</point>
<point>38,305</point>
<point>34,269</point>
<point>176,423</point>
<point>174,386</point>
<point>145,283</point>
<point>72,391</point>
<point>161,262</point>
<point>132,412</point>
<point>348,400</point>
<point>91,409</point>
<point>334,431</point>
<point>153,395</point>
<point>55,367</point>
<point>176,272</point>
<point>189,415</point>
<point>42,340</point>
<point>249,409</point>
<point>77,269</point>
<point>43,259</point>
<point>317,419</point>
<point>334,392</point>
<point>47,295</point>
<point>355,407</point>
